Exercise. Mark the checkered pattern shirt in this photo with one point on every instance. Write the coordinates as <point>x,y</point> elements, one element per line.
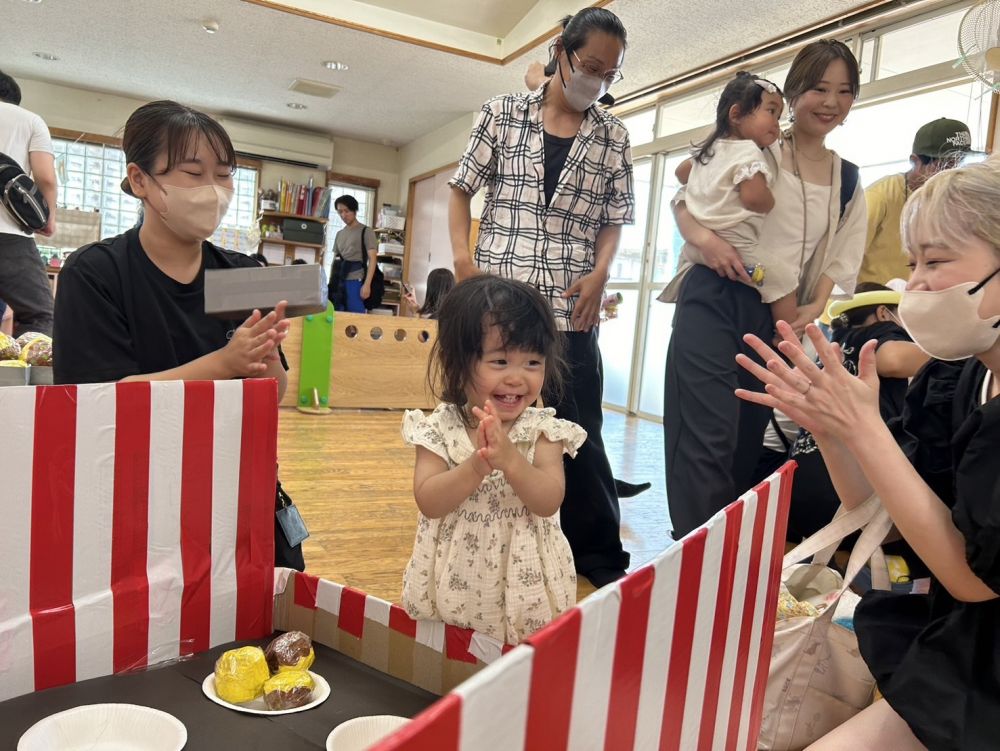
<point>549,247</point>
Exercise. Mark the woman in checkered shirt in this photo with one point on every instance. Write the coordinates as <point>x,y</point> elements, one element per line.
<point>557,171</point>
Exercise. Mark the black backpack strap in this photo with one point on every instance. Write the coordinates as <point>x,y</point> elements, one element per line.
<point>849,176</point>
<point>364,251</point>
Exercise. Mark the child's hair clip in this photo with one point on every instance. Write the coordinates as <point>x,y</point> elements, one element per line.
<point>769,87</point>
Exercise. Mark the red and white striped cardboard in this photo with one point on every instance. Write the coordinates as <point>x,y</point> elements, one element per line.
<point>672,657</point>
<point>138,526</point>
<point>430,654</point>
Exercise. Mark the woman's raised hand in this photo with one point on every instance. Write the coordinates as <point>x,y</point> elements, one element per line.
<point>827,401</point>
<point>280,328</point>
<point>255,343</point>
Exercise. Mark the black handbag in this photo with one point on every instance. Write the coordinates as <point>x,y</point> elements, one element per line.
<point>21,197</point>
<point>289,532</point>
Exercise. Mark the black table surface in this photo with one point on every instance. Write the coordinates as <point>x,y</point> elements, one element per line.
<point>356,690</point>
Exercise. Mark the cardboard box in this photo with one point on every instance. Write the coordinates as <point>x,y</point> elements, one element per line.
<point>235,293</point>
<point>302,231</point>
<point>14,376</point>
<point>40,375</point>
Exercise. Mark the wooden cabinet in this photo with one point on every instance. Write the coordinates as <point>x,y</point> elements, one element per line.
<point>280,251</point>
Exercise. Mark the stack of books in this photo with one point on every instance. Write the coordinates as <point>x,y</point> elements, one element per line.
<point>304,200</point>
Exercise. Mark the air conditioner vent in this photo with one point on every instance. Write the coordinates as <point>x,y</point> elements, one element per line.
<point>314,88</point>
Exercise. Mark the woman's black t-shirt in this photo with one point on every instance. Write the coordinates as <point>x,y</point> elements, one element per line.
<point>556,151</point>
<point>117,314</point>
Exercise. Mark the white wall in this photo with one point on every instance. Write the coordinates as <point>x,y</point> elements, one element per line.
<point>77,109</point>
<point>433,151</point>
<point>106,114</point>
<point>365,159</point>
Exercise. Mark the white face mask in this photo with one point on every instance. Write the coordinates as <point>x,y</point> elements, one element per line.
<point>582,90</point>
<point>946,324</point>
<point>193,214</point>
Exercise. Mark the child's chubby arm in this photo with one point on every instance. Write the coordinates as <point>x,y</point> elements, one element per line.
<point>539,485</point>
<point>683,171</point>
<point>899,359</point>
<point>439,490</point>
<point>755,195</point>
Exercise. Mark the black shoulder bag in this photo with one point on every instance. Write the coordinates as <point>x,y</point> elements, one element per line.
<point>378,278</point>
<point>21,197</point>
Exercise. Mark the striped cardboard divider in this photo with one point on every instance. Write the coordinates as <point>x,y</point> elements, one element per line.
<point>130,552</point>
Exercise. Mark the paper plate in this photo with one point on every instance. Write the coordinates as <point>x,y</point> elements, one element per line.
<point>363,732</point>
<point>106,727</point>
<point>257,706</point>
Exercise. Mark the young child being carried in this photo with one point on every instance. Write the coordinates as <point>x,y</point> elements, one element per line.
<point>728,183</point>
<point>489,552</point>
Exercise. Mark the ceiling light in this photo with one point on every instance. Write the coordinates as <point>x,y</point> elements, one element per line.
<point>33,2</point>
<point>335,65</point>
<point>295,106</point>
<point>210,26</point>
<point>45,56</point>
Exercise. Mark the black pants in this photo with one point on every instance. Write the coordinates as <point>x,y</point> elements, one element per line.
<point>712,440</point>
<point>590,516</point>
<point>24,284</point>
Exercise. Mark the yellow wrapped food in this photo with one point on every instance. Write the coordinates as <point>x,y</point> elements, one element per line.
<point>37,351</point>
<point>13,364</point>
<point>288,689</point>
<point>240,674</point>
<point>9,349</point>
<point>292,650</point>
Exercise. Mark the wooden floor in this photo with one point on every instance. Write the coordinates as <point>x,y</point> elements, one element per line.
<point>351,477</point>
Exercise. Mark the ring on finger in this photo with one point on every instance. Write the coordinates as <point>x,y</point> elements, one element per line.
<point>809,385</point>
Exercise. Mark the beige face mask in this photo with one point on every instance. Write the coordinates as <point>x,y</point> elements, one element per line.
<point>946,324</point>
<point>193,214</point>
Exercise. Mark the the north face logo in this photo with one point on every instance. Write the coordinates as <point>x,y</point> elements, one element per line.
<point>962,139</point>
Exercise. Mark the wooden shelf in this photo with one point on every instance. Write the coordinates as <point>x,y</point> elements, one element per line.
<point>280,215</point>
<point>290,242</point>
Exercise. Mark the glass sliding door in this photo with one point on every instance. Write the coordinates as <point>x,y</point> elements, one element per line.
<point>618,337</point>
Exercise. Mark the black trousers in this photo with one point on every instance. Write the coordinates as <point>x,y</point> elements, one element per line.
<point>24,284</point>
<point>712,439</point>
<point>590,515</point>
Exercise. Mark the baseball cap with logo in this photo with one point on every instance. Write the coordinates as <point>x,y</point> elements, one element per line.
<point>941,138</point>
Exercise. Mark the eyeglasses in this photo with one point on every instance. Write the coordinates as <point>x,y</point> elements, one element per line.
<point>611,77</point>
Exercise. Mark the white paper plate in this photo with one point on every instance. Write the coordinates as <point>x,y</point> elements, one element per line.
<point>320,692</point>
<point>363,732</point>
<point>106,727</point>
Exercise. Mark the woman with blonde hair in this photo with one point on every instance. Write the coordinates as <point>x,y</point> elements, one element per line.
<point>936,656</point>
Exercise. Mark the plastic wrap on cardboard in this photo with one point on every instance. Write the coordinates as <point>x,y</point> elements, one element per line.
<point>290,651</point>
<point>240,674</point>
<point>288,689</point>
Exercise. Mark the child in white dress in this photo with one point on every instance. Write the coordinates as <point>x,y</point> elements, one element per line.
<point>489,552</point>
<point>728,183</point>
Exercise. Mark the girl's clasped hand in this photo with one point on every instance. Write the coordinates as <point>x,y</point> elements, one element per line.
<point>493,446</point>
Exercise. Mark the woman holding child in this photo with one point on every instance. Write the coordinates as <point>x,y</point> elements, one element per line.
<point>813,235</point>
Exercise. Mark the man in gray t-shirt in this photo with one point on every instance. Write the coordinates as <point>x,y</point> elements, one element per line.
<point>347,245</point>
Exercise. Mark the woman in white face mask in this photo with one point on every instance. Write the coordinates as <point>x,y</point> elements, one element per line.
<point>132,307</point>
<point>936,657</point>
<point>557,171</point>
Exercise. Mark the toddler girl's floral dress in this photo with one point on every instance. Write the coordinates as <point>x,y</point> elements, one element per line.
<point>490,565</point>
